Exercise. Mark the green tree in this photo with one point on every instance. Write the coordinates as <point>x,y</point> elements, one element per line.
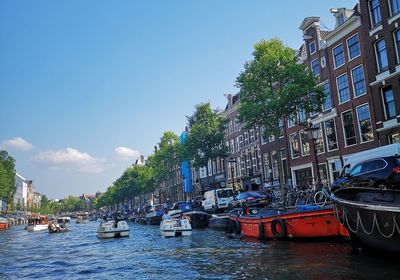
<point>205,140</point>
<point>273,87</point>
<point>7,179</point>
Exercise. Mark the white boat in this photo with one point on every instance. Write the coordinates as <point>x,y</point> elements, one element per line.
<point>37,223</point>
<point>113,229</point>
<point>171,227</point>
<point>66,219</point>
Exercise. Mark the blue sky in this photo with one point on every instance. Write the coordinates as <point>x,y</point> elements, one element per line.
<point>86,86</point>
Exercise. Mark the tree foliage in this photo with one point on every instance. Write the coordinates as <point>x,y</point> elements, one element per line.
<point>7,178</point>
<point>274,86</point>
<point>205,140</point>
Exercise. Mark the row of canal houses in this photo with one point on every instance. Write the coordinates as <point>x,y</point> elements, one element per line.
<point>25,195</point>
<point>358,65</point>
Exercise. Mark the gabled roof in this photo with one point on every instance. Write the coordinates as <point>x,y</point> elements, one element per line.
<point>307,22</point>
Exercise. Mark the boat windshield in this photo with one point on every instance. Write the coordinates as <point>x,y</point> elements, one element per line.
<point>224,193</point>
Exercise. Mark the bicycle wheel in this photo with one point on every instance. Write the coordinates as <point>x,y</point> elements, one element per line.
<point>320,198</point>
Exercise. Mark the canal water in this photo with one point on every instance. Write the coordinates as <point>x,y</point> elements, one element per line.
<point>207,254</point>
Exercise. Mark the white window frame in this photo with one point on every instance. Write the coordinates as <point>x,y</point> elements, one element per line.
<point>390,9</point>
<point>315,47</point>
<point>337,88</point>
<point>301,144</point>
<point>384,102</point>
<point>330,93</point>
<point>376,56</point>
<point>352,81</point>
<point>358,124</point>
<point>371,17</point>
<point>348,49</point>
<point>319,68</point>
<point>333,57</point>
<point>291,147</point>
<point>326,136</point>
<point>395,45</point>
<point>344,133</point>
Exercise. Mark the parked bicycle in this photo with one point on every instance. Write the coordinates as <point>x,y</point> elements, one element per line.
<point>322,196</point>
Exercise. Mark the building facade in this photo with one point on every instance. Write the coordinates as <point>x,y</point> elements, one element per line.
<point>381,32</point>
<point>21,193</point>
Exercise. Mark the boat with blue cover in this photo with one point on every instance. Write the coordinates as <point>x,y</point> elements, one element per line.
<point>198,218</point>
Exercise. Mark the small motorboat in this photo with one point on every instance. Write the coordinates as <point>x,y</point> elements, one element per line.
<point>198,218</point>
<point>171,227</point>
<point>154,215</point>
<point>81,220</point>
<point>112,229</point>
<point>37,223</point>
<point>66,219</point>
<point>60,226</point>
<point>372,217</point>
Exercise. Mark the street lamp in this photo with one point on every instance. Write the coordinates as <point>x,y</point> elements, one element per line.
<point>232,161</point>
<point>313,135</point>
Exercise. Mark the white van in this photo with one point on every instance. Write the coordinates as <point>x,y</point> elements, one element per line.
<point>384,151</point>
<point>218,199</point>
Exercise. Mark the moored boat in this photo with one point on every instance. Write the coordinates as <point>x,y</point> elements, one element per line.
<point>154,215</point>
<point>37,223</point>
<point>81,220</point>
<point>372,217</point>
<point>4,223</point>
<point>198,218</point>
<point>219,222</point>
<point>112,229</point>
<point>171,227</point>
<point>57,227</point>
<point>300,222</point>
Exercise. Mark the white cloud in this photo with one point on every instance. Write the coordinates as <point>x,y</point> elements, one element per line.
<point>70,159</point>
<point>126,153</point>
<point>18,143</point>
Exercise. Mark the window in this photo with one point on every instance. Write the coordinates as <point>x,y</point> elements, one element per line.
<point>312,47</point>
<point>353,45</point>
<point>388,103</point>
<point>319,140</point>
<point>232,146</point>
<point>240,141</point>
<point>338,56</point>
<point>348,128</point>
<point>343,88</point>
<point>358,81</point>
<point>266,166</point>
<point>397,43</point>
<point>394,138</point>
<point>375,12</point>
<point>381,57</point>
<point>328,98</point>
<point>263,138</point>
<point>305,143</point>
<point>315,67</point>
<point>394,7</point>
<point>291,120</point>
<point>330,133</point>
<point>238,166</point>
<point>301,115</point>
<point>364,123</point>
<point>280,126</point>
<point>323,173</point>
<point>275,170</point>
<point>246,138</point>
<point>294,145</point>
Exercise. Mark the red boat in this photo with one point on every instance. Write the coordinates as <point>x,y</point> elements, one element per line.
<point>302,222</point>
<point>4,223</point>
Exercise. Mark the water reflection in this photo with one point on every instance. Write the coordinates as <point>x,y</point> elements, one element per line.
<point>207,254</point>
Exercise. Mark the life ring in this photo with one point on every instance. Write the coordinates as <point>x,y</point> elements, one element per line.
<point>236,227</point>
<point>261,231</point>
<point>278,234</point>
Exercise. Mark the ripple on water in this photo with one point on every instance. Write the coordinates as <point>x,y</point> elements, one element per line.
<point>207,254</point>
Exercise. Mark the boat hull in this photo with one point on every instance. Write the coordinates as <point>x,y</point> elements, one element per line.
<point>175,233</point>
<point>33,228</point>
<point>218,222</point>
<point>113,234</point>
<point>198,219</point>
<point>371,216</point>
<point>4,226</point>
<point>280,225</point>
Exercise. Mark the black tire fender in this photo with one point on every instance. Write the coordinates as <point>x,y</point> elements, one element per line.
<point>236,227</point>
<point>282,224</point>
<point>261,231</point>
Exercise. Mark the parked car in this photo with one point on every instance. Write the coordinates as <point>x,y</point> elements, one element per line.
<point>249,199</point>
<point>380,172</point>
<point>218,199</point>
